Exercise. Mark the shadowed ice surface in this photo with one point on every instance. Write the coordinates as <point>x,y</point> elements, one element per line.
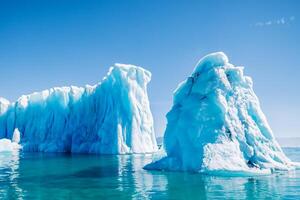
<point>65,176</point>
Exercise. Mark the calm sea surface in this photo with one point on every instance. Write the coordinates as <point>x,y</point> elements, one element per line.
<point>60,176</point>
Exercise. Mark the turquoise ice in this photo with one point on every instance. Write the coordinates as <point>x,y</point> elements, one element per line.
<point>216,125</point>
<point>112,117</point>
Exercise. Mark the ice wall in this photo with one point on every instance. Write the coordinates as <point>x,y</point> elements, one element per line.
<point>216,124</point>
<point>111,117</point>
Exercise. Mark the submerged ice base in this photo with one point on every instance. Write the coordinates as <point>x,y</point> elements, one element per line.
<point>112,117</point>
<point>216,125</point>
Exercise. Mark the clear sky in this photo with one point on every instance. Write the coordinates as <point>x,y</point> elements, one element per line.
<point>56,43</point>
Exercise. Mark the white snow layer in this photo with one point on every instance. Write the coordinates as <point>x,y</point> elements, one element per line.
<point>112,117</point>
<point>216,125</point>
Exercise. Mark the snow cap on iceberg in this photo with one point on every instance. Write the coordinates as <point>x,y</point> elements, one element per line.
<point>216,124</point>
<point>111,117</point>
<point>210,61</point>
<point>4,104</point>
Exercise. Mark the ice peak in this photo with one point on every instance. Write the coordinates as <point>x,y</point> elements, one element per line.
<point>129,67</point>
<point>3,101</point>
<point>132,71</point>
<point>210,61</point>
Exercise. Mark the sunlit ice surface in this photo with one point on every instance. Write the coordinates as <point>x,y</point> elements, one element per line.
<point>81,176</point>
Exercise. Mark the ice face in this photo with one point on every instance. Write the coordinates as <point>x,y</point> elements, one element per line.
<point>216,124</point>
<point>112,117</point>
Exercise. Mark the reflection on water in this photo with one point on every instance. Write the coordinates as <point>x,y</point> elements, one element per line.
<point>9,174</point>
<point>61,176</point>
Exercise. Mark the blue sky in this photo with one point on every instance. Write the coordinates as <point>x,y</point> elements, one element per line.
<point>56,43</point>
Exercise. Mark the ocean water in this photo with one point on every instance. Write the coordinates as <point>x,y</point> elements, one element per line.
<point>64,176</point>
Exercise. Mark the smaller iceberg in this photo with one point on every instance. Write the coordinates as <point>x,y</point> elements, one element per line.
<point>7,145</point>
<point>12,145</point>
<point>112,117</point>
<point>216,125</point>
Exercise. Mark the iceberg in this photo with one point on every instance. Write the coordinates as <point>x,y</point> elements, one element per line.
<point>7,145</point>
<point>216,125</point>
<point>112,117</point>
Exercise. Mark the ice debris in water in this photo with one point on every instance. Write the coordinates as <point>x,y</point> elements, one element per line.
<point>7,145</point>
<point>216,125</point>
<point>111,117</point>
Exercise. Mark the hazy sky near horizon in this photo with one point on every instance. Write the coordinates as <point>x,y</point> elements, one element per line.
<point>57,43</point>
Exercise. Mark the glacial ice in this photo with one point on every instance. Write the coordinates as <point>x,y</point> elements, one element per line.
<point>7,145</point>
<point>112,117</point>
<point>216,125</point>
<point>12,145</point>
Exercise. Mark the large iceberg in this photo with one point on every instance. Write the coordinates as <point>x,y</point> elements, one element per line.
<point>216,125</point>
<point>112,117</point>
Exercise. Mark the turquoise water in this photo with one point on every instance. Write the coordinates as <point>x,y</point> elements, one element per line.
<point>60,176</point>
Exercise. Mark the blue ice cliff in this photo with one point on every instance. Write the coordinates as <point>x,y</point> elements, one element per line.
<point>112,117</point>
<point>216,125</point>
